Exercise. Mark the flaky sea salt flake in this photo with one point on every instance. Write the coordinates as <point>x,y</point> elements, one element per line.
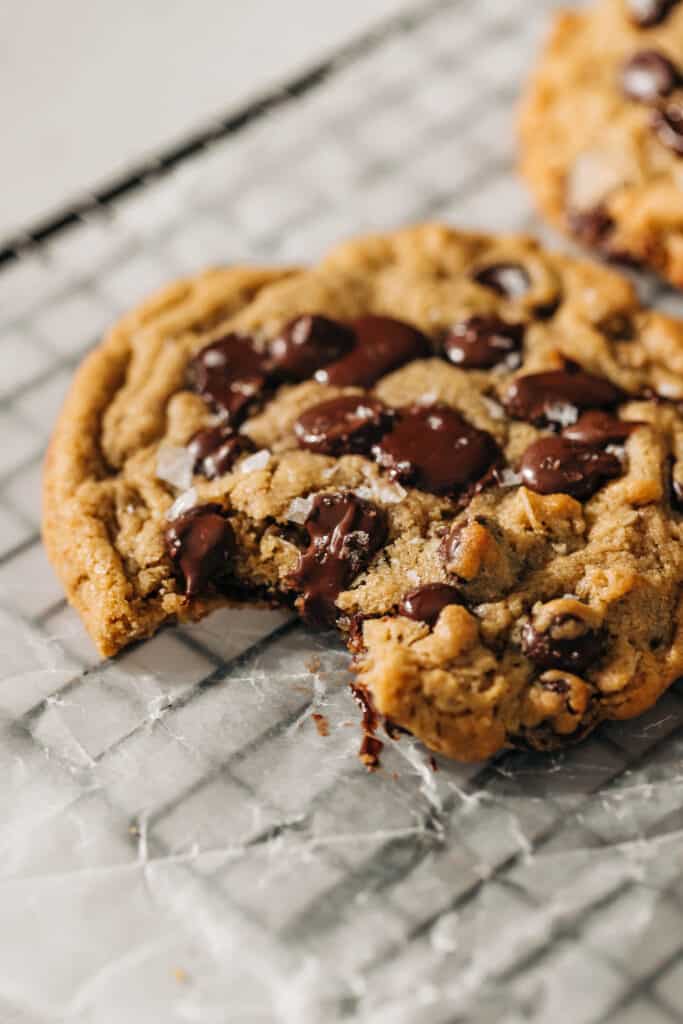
<point>508,478</point>
<point>174,466</point>
<point>183,503</point>
<point>562,413</point>
<point>299,510</point>
<point>259,460</point>
<point>493,408</point>
<point>364,493</point>
<point>390,493</point>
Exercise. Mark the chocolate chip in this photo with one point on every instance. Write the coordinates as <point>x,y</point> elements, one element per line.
<point>556,465</point>
<point>622,258</point>
<point>216,450</point>
<point>560,686</point>
<point>228,374</point>
<point>547,397</point>
<point>483,341</point>
<point>448,549</point>
<point>510,280</point>
<point>344,534</point>
<point>675,488</point>
<point>677,495</point>
<point>646,13</point>
<point>201,545</point>
<point>547,310</point>
<point>382,345</point>
<point>618,327</point>
<point>433,448</point>
<point>425,604</point>
<point>599,428</point>
<point>351,423</point>
<point>306,344</point>
<point>555,649</point>
<point>649,76</point>
<point>592,227</point>
<point>668,126</point>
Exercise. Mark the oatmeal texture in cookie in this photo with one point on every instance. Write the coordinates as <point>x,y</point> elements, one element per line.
<point>462,451</point>
<point>602,131</point>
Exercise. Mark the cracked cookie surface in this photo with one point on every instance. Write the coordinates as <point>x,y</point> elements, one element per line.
<point>602,131</point>
<point>463,451</point>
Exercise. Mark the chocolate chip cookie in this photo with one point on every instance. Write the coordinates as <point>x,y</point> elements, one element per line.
<point>602,131</point>
<point>462,451</point>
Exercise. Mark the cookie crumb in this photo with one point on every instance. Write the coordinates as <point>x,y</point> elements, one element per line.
<point>321,724</point>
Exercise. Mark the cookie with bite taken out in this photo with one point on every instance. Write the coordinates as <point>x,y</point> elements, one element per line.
<point>461,451</point>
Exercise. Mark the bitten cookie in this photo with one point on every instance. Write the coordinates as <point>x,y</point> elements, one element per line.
<point>460,450</point>
<point>602,131</point>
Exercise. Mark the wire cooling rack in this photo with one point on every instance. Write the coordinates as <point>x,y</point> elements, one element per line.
<point>179,842</point>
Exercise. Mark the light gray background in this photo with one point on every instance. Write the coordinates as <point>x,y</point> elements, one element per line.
<point>89,87</point>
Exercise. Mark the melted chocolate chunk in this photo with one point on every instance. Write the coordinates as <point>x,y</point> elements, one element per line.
<point>483,341</point>
<point>599,428</point>
<point>552,649</point>
<point>510,280</point>
<point>668,126</point>
<point>216,450</point>
<point>308,343</point>
<point>201,545</point>
<point>646,13</point>
<point>649,76</point>
<point>434,449</point>
<point>344,534</point>
<point>371,746</point>
<point>351,423</point>
<point>425,604</point>
<point>228,374</point>
<point>556,465</point>
<point>382,345</point>
<point>361,695</point>
<point>542,397</point>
